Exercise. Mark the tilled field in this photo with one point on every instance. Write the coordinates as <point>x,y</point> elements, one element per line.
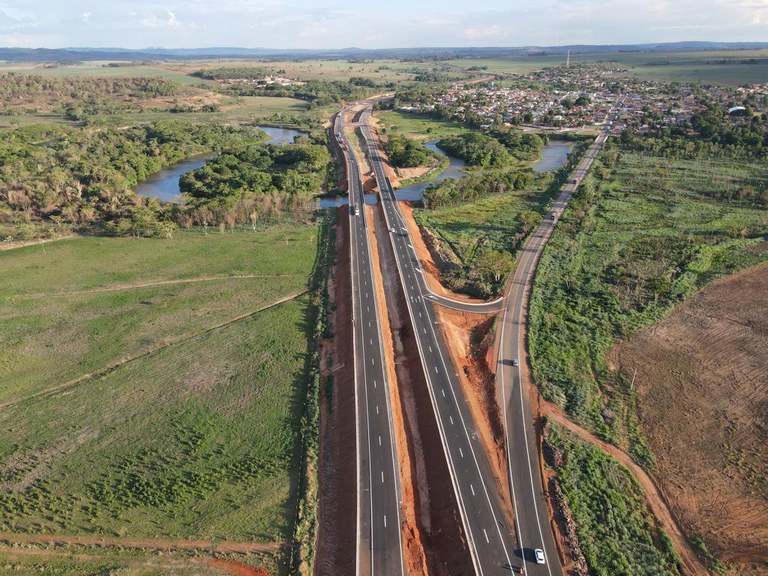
<point>702,380</point>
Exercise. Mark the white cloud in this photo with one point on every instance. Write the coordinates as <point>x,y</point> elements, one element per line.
<point>165,19</point>
<point>86,16</point>
<point>492,31</point>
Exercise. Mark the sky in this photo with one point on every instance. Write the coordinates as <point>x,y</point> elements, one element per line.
<point>374,24</point>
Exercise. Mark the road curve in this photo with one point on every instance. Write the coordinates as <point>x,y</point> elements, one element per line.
<point>379,544</point>
<point>513,393</point>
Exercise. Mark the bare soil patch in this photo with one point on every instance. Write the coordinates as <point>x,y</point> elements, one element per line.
<point>702,382</point>
<point>337,508</point>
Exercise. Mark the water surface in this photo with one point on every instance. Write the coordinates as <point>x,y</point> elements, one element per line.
<point>553,157</point>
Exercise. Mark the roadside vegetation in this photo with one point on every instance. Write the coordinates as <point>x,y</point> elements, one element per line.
<point>477,224</point>
<point>642,234</point>
<point>617,531</point>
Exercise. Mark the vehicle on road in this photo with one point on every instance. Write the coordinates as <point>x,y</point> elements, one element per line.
<point>355,211</point>
<point>539,553</point>
<point>515,362</point>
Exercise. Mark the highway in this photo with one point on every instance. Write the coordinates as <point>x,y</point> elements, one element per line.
<point>513,390</point>
<point>490,540</point>
<point>379,545</point>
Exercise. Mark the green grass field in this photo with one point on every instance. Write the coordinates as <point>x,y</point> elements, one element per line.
<point>419,127</point>
<point>633,245</point>
<point>189,424</point>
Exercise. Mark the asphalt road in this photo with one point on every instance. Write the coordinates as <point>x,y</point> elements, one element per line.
<point>379,544</point>
<point>490,540</point>
<point>528,499</point>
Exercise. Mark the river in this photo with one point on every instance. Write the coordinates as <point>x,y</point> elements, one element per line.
<point>164,185</point>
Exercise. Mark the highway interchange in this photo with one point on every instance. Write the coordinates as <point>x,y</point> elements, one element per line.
<point>494,546</point>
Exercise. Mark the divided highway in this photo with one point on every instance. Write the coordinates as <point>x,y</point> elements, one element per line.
<point>493,548</point>
<point>379,545</point>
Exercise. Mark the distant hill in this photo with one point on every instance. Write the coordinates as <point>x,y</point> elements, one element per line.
<point>68,55</point>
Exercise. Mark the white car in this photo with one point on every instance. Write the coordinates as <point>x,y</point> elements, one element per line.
<point>539,553</point>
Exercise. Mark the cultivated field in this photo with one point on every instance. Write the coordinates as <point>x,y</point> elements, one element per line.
<point>154,387</point>
<point>702,379</point>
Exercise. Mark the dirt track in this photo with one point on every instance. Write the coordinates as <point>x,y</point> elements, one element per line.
<point>702,383</point>
<point>152,543</point>
<point>459,332</point>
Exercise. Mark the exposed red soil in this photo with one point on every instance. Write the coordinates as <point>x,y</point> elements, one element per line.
<point>153,543</point>
<point>435,504</point>
<point>236,568</point>
<point>415,558</point>
<point>478,382</point>
<point>657,502</point>
<point>337,508</point>
<point>458,329</point>
<point>702,385</point>
<point>431,270</point>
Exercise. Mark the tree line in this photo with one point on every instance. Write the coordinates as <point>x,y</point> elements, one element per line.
<point>57,177</point>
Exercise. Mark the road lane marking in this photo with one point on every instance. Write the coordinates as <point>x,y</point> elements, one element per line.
<point>435,369</point>
<point>486,536</point>
<point>382,476</point>
<point>377,408</point>
<point>461,452</point>
<point>451,419</point>
<point>379,440</point>
<point>472,488</point>
<point>443,391</point>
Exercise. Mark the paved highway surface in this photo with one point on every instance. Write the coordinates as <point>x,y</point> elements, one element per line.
<point>379,545</point>
<point>490,540</point>
<point>528,499</point>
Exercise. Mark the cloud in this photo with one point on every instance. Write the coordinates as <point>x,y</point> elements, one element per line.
<point>164,19</point>
<point>492,31</point>
<point>86,16</point>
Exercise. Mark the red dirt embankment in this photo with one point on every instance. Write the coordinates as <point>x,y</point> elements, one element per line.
<point>702,384</point>
<point>459,330</point>
<point>435,507</point>
<point>337,507</point>
<point>411,534</point>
